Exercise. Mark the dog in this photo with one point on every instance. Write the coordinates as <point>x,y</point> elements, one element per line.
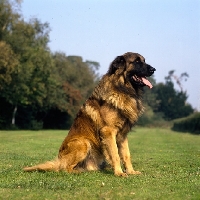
<point>98,134</point>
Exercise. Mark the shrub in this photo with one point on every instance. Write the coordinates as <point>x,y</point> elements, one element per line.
<point>189,124</point>
<point>36,125</point>
<point>152,119</point>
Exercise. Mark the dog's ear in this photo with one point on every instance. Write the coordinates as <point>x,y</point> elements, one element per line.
<point>116,64</point>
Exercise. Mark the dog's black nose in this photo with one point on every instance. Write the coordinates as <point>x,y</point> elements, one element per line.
<point>152,70</point>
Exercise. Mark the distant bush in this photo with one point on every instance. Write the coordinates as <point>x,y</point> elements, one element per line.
<point>189,124</point>
<point>152,119</point>
<point>36,125</point>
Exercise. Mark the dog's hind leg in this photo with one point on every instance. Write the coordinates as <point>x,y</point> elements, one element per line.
<point>70,155</point>
<point>73,153</point>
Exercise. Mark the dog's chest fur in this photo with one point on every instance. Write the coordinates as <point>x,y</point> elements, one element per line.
<point>113,104</point>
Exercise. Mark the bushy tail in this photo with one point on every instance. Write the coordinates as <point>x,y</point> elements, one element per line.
<point>47,166</point>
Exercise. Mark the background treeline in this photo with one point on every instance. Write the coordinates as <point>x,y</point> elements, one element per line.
<point>44,89</point>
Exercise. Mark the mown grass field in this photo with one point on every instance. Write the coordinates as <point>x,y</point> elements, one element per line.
<point>169,162</point>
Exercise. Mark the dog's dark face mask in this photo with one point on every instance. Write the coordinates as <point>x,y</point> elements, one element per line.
<point>134,68</point>
<point>140,70</point>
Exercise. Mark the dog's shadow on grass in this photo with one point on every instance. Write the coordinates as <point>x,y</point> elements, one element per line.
<point>107,172</point>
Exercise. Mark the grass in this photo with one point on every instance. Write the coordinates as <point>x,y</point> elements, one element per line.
<point>169,162</point>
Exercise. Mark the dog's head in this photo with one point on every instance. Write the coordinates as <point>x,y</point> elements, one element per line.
<point>134,69</point>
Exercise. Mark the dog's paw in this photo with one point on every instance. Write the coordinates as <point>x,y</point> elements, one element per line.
<point>121,174</point>
<point>134,172</point>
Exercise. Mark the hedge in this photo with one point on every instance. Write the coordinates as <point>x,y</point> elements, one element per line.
<point>189,124</point>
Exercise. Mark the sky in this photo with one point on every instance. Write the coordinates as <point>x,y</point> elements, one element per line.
<point>165,32</point>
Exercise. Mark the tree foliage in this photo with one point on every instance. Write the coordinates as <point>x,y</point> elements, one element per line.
<point>33,81</point>
<point>172,103</point>
<point>8,63</point>
<point>41,89</point>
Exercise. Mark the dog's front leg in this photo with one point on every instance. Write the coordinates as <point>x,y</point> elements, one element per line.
<point>125,155</point>
<point>110,149</point>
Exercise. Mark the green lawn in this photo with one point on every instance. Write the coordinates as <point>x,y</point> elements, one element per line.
<point>169,162</point>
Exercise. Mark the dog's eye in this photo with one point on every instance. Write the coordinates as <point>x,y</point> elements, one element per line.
<point>137,60</point>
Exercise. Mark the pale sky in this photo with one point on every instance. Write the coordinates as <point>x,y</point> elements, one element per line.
<point>165,32</point>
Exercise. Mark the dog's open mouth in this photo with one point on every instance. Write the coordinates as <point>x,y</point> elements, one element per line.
<point>142,80</point>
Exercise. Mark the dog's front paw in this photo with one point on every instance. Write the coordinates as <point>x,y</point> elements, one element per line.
<point>134,172</point>
<point>121,174</point>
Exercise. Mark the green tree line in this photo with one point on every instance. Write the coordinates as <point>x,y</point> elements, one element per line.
<point>44,89</point>
<point>164,102</point>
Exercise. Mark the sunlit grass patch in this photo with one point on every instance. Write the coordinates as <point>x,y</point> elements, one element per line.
<point>169,162</point>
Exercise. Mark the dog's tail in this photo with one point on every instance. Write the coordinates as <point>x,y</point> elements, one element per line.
<point>47,166</point>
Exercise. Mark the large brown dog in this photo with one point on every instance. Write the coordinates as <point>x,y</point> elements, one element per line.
<point>99,132</point>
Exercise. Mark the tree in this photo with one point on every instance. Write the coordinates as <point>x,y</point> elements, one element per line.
<point>8,16</point>
<point>26,75</point>
<point>172,102</point>
<point>35,83</point>
<point>68,92</point>
<point>75,81</point>
<point>8,63</point>
<point>178,79</point>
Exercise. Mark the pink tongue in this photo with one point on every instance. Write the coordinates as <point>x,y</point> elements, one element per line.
<point>146,82</point>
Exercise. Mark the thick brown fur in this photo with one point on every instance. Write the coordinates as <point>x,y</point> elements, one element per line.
<point>99,132</point>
